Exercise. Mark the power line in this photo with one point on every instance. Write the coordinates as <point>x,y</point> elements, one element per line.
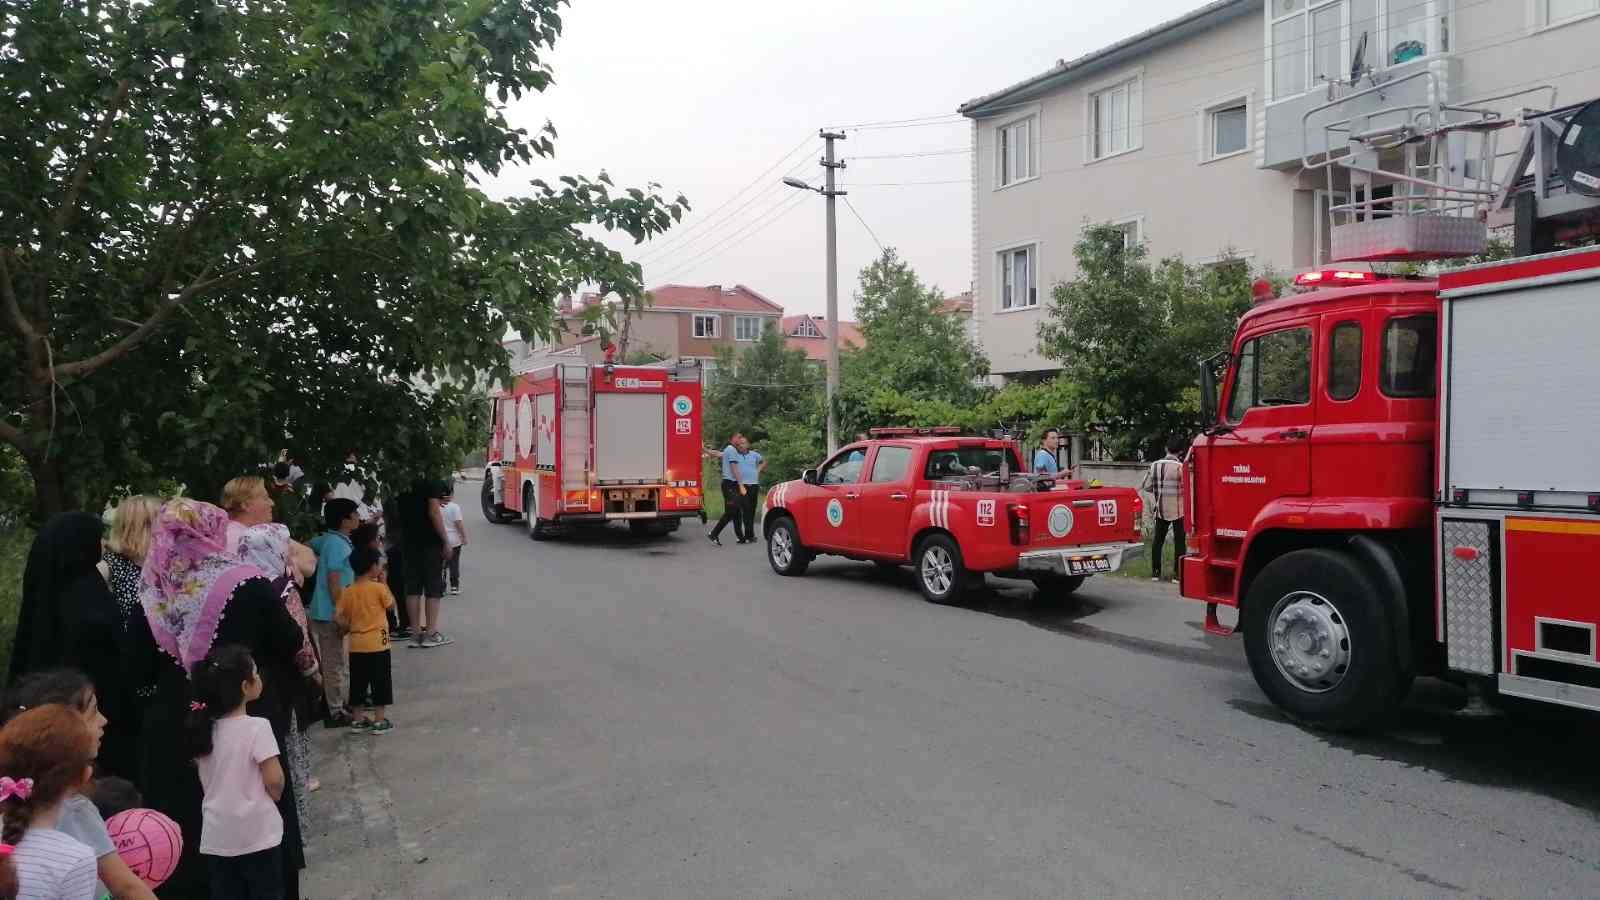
<point>716,232</point>
<point>735,239</point>
<point>852,208</point>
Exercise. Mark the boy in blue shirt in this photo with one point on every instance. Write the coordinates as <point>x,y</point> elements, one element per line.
<point>334,574</point>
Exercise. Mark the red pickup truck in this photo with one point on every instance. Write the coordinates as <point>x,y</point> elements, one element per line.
<point>954,508</point>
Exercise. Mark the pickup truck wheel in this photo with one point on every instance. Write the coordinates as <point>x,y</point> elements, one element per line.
<point>1318,636</point>
<point>940,573</point>
<point>784,551</point>
<point>1058,587</point>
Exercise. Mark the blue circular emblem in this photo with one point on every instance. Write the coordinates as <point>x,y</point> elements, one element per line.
<point>835,513</point>
<point>682,405</point>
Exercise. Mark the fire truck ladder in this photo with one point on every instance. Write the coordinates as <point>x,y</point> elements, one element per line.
<point>1437,161</point>
<point>575,427</point>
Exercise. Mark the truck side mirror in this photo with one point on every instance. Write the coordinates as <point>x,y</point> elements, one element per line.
<point>1208,389</point>
<point>809,476</point>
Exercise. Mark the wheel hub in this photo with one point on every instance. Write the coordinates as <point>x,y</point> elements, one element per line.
<point>781,546</point>
<point>938,571</point>
<point>1310,642</point>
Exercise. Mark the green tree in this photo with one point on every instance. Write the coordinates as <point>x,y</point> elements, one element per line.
<point>914,353</point>
<point>765,381</point>
<point>1130,335</point>
<point>232,227</point>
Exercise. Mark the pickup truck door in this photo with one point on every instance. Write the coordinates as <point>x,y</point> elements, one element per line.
<point>887,496</point>
<point>831,519</point>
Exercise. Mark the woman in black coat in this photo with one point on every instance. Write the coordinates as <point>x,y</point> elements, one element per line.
<point>198,596</point>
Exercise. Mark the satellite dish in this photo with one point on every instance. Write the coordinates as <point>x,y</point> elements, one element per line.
<point>1358,59</point>
<point>1578,153</point>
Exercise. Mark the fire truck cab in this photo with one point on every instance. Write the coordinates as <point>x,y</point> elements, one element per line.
<point>1396,482</point>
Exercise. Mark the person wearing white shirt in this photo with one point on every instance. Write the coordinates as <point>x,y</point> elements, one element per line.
<point>455,533</point>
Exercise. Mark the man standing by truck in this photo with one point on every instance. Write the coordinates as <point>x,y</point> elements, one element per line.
<point>750,467</point>
<point>1164,483</point>
<point>731,506</point>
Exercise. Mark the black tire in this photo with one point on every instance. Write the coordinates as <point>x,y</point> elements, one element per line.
<point>785,553</point>
<point>1058,587</point>
<point>940,573</point>
<point>538,528</point>
<point>1324,599</point>
<point>494,512</point>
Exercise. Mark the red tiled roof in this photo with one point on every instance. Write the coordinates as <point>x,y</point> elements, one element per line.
<point>816,348</point>
<point>713,296</point>
<point>960,303</point>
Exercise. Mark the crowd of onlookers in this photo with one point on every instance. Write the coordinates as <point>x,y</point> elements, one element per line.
<point>177,660</point>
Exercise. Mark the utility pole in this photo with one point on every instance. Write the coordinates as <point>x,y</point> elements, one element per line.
<point>829,191</point>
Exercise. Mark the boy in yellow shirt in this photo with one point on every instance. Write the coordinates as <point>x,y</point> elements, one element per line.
<point>363,612</point>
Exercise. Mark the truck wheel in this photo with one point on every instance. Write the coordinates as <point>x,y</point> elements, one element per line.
<point>1318,635</point>
<point>1058,587</point>
<point>784,550</point>
<point>940,573</point>
<point>494,512</point>
<point>538,528</point>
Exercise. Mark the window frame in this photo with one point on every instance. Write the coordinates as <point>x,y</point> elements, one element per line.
<point>1431,389</point>
<point>806,329</point>
<point>905,468</point>
<point>1002,257</point>
<point>838,459</point>
<point>710,335</point>
<point>1255,373</point>
<point>745,320</point>
<point>1438,17</point>
<point>1542,21</point>
<point>1001,142</point>
<point>1207,124</point>
<point>1333,358</point>
<point>1133,81</point>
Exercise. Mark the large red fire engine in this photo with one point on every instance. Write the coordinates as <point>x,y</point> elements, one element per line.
<point>577,444</point>
<point>954,507</point>
<point>1397,478</point>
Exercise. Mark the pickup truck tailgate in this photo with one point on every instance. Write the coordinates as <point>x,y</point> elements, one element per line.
<point>1091,516</point>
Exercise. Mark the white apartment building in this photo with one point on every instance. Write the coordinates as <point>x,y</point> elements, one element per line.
<point>1189,135</point>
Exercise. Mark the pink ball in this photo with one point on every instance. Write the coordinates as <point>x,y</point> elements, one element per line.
<point>149,842</point>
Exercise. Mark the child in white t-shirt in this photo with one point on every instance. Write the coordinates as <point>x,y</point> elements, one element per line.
<point>241,830</point>
<point>455,531</point>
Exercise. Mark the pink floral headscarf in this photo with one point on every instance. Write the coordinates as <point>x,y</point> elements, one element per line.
<point>189,578</point>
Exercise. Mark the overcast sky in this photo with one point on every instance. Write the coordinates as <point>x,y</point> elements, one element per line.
<point>703,96</point>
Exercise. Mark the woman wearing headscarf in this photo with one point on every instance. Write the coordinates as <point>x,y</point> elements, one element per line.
<point>268,547</point>
<point>197,595</point>
<point>68,618</point>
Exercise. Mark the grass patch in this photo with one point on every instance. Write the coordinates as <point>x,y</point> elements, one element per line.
<point>1140,568</point>
<point>14,544</point>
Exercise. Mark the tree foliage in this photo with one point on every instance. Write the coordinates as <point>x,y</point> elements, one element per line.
<point>772,395</point>
<point>916,355</point>
<point>230,227</point>
<point>1130,335</point>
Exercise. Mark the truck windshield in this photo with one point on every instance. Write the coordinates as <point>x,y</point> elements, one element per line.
<point>955,462</point>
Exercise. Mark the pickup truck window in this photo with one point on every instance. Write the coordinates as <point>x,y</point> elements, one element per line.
<point>844,468</point>
<point>1274,370</point>
<point>890,464</point>
<point>953,463</point>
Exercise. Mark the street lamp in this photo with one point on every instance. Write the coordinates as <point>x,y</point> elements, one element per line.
<point>829,165</point>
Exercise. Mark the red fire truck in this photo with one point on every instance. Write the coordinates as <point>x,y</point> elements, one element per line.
<point>580,444</point>
<point>1396,480</point>
<point>954,507</point>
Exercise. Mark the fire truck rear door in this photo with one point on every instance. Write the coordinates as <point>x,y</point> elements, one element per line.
<point>1267,454</point>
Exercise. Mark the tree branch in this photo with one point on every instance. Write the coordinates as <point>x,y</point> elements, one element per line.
<point>8,295</point>
<point>80,175</point>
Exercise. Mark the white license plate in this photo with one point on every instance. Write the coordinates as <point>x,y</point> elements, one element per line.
<point>1088,565</point>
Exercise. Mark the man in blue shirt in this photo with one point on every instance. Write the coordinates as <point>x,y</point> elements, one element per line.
<point>1044,459</point>
<point>333,576</point>
<point>731,508</point>
<point>750,465</point>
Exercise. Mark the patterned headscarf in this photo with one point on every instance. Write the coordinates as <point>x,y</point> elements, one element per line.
<point>266,547</point>
<point>189,578</point>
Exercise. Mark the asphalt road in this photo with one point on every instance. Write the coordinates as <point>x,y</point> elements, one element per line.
<point>668,719</point>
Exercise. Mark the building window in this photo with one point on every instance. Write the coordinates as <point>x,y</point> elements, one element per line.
<point>806,329</point>
<point>1227,129</point>
<point>705,325</point>
<point>1018,280</point>
<point>746,328</point>
<point>1132,231</point>
<point>1014,152</point>
<point>1114,119</point>
<point>1558,11</point>
<point>1310,44</point>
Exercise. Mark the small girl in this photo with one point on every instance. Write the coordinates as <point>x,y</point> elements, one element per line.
<point>241,831</point>
<point>46,756</point>
<point>79,818</point>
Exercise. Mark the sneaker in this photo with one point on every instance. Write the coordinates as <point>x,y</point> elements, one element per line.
<point>382,726</point>
<point>437,640</point>
<point>1155,578</point>
<point>400,634</point>
<point>419,640</point>
<point>714,539</point>
<point>455,592</point>
<point>337,720</point>
<point>360,726</point>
